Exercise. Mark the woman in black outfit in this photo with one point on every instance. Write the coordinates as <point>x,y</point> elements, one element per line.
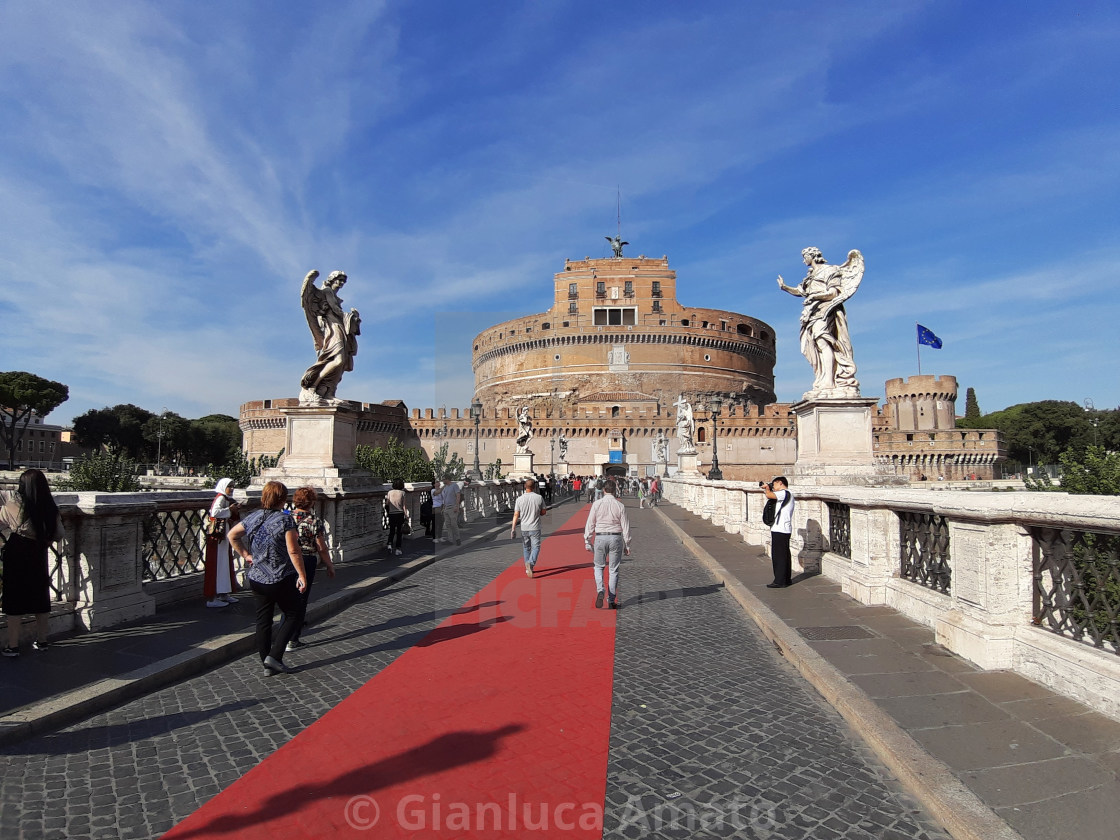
<point>31,521</point>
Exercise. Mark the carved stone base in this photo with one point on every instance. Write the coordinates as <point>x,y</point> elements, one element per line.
<point>835,444</point>
<point>688,464</point>
<point>319,449</point>
<point>522,465</point>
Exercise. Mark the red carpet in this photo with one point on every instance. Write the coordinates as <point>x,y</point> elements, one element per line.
<point>495,725</point>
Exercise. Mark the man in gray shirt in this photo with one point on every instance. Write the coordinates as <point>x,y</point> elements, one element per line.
<point>528,511</point>
<point>609,527</point>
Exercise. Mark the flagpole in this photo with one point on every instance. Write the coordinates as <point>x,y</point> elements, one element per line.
<point>918,343</point>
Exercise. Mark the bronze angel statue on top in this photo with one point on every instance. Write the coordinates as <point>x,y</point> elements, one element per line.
<point>825,341</point>
<point>616,244</point>
<point>335,334</point>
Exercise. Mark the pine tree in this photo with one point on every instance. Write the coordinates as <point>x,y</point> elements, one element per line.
<point>971,407</point>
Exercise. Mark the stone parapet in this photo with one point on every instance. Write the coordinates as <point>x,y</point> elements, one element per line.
<point>986,607</point>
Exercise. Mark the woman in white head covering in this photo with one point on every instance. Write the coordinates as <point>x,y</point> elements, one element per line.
<point>218,579</point>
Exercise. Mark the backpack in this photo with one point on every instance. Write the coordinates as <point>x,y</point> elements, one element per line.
<point>771,510</point>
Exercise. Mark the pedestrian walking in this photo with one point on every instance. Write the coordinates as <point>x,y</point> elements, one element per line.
<point>394,506</point>
<point>31,522</point>
<point>266,539</point>
<point>641,494</point>
<point>527,511</point>
<point>780,530</point>
<point>437,511</point>
<point>219,580</point>
<point>313,546</point>
<point>451,498</point>
<point>607,533</point>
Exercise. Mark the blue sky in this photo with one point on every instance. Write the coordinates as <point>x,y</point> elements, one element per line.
<point>170,171</point>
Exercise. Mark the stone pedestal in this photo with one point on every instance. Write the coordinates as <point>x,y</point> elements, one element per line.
<point>835,444</point>
<point>688,464</point>
<point>110,561</point>
<point>522,465</point>
<point>319,449</point>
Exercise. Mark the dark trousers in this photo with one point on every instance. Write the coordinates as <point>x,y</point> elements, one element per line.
<point>780,557</point>
<point>310,563</point>
<point>284,595</point>
<point>396,529</point>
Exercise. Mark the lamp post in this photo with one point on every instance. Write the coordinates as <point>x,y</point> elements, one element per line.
<point>476,415</point>
<point>714,405</point>
<point>159,441</point>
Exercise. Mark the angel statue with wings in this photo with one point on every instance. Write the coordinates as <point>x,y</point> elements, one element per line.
<point>686,427</point>
<point>335,334</point>
<point>616,244</point>
<point>524,430</point>
<point>825,341</point>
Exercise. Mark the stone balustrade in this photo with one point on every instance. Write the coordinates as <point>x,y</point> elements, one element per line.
<point>1022,581</point>
<point>125,555</point>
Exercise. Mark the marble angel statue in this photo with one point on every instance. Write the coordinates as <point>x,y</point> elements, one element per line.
<point>825,341</point>
<point>686,426</point>
<point>335,335</point>
<point>524,430</point>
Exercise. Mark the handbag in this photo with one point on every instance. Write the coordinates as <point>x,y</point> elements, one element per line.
<point>215,527</point>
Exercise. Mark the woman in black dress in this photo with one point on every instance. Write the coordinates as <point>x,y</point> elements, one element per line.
<point>31,521</point>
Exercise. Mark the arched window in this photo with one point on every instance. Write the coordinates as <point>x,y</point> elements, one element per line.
<point>701,435</point>
<point>615,411</point>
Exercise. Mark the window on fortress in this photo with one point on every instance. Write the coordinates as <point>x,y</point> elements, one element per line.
<point>565,323</point>
<point>573,290</point>
<point>573,309</point>
<point>546,326</point>
<point>614,316</point>
<point>657,306</point>
<point>615,411</point>
<point>628,288</point>
<point>704,325</point>
<point>600,289</point>
<point>657,288</point>
<point>684,322</point>
<point>743,329</point>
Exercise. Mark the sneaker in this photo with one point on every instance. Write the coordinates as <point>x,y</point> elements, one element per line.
<point>40,645</point>
<point>614,604</point>
<point>217,603</point>
<point>398,552</point>
<point>228,598</point>
<point>599,601</point>
<point>528,570</point>
<point>11,653</point>
<point>295,644</point>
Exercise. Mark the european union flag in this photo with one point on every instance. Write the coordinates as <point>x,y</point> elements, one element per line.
<point>926,336</point>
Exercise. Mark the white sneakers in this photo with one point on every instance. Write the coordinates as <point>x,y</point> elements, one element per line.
<point>217,603</point>
<point>398,552</point>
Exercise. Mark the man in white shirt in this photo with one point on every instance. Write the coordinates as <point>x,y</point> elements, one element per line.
<point>451,496</point>
<point>609,527</point>
<point>437,511</point>
<point>780,531</point>
<point>528,511</point>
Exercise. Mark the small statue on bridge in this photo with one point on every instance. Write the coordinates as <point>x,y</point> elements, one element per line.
<point>825,340</point>
<point>335,335</point>
<point>686,427</point>
<point>524,430</point>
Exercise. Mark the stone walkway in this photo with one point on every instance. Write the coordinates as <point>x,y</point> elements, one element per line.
<point>1045,764</point>
<point>714,732</point>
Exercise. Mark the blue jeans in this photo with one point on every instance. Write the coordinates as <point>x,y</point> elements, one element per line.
<point>532,542</point>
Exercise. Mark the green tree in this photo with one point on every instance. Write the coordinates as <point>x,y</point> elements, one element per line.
<point>119,429</point>
<point>1096,473</point>
<point>213,439</point>
<point>393,461</point>
<point>168,436</point>
<point>971,409</point>
<point>22,394</point>
<point>1040,432</point>
<point>104,472</point>
<point>444,466</point>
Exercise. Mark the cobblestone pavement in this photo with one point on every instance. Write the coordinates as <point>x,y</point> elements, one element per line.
<point>136,771</point>
<point>708,723</point>
<point>714,735</point>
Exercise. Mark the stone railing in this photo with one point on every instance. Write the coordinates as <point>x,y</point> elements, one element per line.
<point>127,554</point>
<point>1021,581</point>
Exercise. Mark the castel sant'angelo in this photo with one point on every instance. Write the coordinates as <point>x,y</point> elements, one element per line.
<point>600,372</point>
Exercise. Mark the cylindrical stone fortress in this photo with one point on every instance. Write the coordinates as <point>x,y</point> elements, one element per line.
<point>616,327</point>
